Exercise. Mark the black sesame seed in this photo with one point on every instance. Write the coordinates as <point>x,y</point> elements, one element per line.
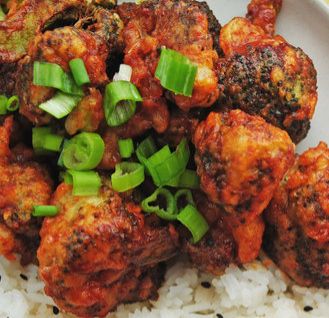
<point>55,310</point>
<point>308,308</point>
<point>206,285</point>
<point>24,277</point>
<point>219,316</point>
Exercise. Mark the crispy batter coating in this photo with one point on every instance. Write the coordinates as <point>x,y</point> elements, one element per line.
<point>26,19</point>
<point>87,115</point>
<point>8,74</point>
<point>22,186</point>
<point>181,125</point>
<point>248,237</point>
<point>59,46</point>
<point>111,153</point>
<point>297,232</point>
<point>266,76</point>
<point>241,160</point>
<point>99,252</point>
<point>217,249</point>
<point>264,13</point>
<point>185,26</point>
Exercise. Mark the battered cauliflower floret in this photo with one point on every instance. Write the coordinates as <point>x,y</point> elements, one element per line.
<point>241,160</point>
<point>184,26</point>
<point>25,20</point>
<point>264,75</point>
<point>22,186</point>
<point>59,46</point>
<point>99,251</point>
<point>217,249</point>
<point>264,13</point>
<point>87,115</point>
<point>297,232</point>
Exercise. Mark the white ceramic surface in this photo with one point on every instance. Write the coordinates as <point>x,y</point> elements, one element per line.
<point>304,23</point>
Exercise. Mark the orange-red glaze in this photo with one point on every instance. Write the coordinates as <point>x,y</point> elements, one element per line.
<point>99,252</point>
<point>24,21</point>
<point>22,186</point>
<point>264,13</point>
<point>182,26</point>
<point>241,160</point>
<point>297,231</point>
<point>87,115</point>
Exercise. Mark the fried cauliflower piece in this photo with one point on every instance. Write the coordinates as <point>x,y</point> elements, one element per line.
<point>22,186</point>
<point>185,26</point>
<point>99,251</point>
<point>217,249</point>
<point>228,241</point>
<point>264,75</point>
<point>241,160</point>
<point>27,19</point>
<point>297,232</point>
<point>264,13</point>
<point>87,115</point>
<point>59,46</point>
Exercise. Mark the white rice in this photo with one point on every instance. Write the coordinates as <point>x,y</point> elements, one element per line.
<point>251,291</point>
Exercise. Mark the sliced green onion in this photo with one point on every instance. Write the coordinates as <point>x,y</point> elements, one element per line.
<point>44,141</point>
<point>60,105</point>
<point>126,147</point>
<point>163,166</point>
<point>2,14</point>
<point>45,210</point>
<point>152,204</point>
<point>60,162</point>
<point>127,175</point>
<point>52,142</point>
<point>83,152</point>
<point>79,72</point>
<point>52,75</point>
<point>188,179</point>
<point>191,218</point>
<point>38,135</point>
<point>120,102</point>
<point>176,72</point>
<point>12,103</point>
<point>85,183</point>
<point>184,197</point>
<point>3,105</point>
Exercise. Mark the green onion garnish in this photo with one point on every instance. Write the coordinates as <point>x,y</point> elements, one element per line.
<point>191,218</point>
<point>126,147</point>
<point>45,210</point>
<point>52,75</point>
<point>176,72</point>
<point>38,134</point>
<point>153,203</point>
<point>127,175</point>
<point>79,72</point>
<point>188,179</point>
<point>3,105</point>
<point>12,103</point>
<point>182,198</point>
<point>83,152</point>
<point>163,165</point>
<point>52,142</point>
<point>120,102</point>
<point>60,105</point>
<point>43,140</point>
<point>85,183</point>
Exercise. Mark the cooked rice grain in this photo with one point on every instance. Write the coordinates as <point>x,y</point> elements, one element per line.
<point>251,291</point>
